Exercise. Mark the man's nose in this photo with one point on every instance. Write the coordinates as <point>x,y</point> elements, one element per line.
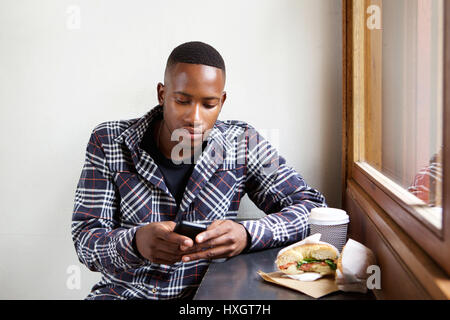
<point>195,115</point>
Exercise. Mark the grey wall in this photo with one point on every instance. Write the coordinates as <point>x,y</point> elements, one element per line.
<point>59,78</point>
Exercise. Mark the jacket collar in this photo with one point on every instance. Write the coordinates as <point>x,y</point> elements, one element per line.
<point>219,145</point>
<point>134,134</point>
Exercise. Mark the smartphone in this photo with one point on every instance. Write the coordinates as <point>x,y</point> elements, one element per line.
<point>189,229</point>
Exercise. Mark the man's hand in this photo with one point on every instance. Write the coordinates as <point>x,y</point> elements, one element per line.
<point>222,239</point>
<point>159,244</point>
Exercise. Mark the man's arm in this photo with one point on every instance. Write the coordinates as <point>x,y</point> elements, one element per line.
<point>276,189</point>
<point>279,191</point>
<point>99,241</point>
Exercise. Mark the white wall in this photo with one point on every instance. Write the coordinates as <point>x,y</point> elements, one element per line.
<point>283,62</point>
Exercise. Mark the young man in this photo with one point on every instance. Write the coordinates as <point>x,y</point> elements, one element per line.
<point>178,162</point>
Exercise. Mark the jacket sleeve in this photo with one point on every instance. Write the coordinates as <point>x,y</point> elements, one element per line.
<point>280,192</point>
<point>99,241</point>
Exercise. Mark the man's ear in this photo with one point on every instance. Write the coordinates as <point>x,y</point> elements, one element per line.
<point>160,93</point>
<point>224,97</point>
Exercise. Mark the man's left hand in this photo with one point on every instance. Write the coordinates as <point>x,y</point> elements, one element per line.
<point>222,239</point>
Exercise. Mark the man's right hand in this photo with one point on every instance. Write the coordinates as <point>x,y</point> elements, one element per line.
<point>159,244</point>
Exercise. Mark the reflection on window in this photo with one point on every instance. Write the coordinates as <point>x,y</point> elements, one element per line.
<point>409,54</point>
<point>427,185</point>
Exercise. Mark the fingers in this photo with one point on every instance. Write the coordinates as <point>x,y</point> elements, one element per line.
<point>166,246</point>
<point>166,251</point>
<point>161,251</point>
<point>162,257</point>
<point>223,238</point>
<point>159,244</point>
<point>167,256</point>
<point>174,238</point>
<point>212,253</point>
<point>214,230</point>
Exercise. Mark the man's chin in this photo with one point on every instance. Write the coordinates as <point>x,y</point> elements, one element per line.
<point>192,148</point>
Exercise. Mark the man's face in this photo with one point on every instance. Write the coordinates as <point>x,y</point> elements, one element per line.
<point>192,97</point>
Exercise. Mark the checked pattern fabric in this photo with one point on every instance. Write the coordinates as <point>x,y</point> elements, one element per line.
<point>121,189</point>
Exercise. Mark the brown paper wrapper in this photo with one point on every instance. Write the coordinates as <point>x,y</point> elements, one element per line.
<point>315,289</point>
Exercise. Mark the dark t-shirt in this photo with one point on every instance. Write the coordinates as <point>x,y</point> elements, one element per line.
<point>176,176</point>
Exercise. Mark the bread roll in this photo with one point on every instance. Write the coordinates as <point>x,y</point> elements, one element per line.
<point>320,258</point>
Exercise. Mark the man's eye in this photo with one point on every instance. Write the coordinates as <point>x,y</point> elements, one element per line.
<point>209,106</point>
<point>183,102</point>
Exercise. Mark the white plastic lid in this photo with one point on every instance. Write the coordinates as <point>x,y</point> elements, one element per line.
<point>328,216</point>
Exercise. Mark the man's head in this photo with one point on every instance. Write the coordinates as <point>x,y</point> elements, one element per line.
<point>195,52</point>
<point>193,91</point>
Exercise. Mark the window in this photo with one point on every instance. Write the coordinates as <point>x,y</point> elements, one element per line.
<point>399,69</point>
<point>404,103</point>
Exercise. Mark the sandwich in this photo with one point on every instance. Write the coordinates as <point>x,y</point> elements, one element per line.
<point>311,257</point>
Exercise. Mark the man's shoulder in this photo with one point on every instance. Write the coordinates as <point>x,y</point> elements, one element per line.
<point>109,130</point>
<point>114,125</point>
<point>233,126</point>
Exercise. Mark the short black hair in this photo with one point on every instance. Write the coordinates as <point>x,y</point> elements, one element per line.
<point>196,52</point>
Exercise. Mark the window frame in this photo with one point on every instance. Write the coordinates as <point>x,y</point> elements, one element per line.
<point>357,129</point>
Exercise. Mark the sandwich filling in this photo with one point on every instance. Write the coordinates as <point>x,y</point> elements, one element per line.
<point>308,264</point>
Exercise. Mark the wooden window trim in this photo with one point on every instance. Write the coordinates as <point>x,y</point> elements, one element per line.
<point>434,241</point>
<point>408,254</point>
<point>394,196</point>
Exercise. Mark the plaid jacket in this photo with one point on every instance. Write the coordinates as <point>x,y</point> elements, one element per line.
<point>121,189</point>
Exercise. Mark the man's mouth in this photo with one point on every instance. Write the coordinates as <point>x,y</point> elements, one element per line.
<point>194,131</point>
<point>194,134</point>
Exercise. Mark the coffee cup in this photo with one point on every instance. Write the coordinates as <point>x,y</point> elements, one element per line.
<point>331,223</point>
